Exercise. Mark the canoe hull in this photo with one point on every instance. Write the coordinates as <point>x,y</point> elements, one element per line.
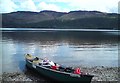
<point>60,76</point>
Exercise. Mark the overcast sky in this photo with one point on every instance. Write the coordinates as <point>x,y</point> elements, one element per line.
<point>7,6</point>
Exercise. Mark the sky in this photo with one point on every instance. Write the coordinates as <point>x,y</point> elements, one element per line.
<point>110,6</point>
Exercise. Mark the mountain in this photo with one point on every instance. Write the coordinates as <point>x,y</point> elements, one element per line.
<point>53,19</point>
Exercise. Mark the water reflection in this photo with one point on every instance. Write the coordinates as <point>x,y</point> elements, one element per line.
<point>8,51</point>
<point>68,48</point>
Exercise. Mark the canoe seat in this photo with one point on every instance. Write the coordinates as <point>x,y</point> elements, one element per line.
<point>36,60</point>
<point>29,57</point>
<point>69,69</point>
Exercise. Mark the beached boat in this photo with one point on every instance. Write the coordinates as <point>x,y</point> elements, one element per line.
<point>57,75</point>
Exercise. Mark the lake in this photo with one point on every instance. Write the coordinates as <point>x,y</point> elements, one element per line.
<point>69,47</point>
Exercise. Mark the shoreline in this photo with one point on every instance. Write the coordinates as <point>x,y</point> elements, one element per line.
<point>100,74</point>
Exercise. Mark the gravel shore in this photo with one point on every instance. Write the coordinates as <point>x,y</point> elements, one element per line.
<point>101,73</point>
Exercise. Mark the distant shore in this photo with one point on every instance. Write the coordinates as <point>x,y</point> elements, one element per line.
<point>100,74</point>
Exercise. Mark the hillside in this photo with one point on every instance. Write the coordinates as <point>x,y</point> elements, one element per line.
<point>53,19</point>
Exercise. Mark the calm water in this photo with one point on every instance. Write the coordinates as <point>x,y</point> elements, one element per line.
<point>72,48</point>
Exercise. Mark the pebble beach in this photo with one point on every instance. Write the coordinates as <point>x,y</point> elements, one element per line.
<point>101,74</point>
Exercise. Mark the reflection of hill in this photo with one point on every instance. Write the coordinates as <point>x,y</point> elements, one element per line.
<point>52,19</point>
<point>58,37</point>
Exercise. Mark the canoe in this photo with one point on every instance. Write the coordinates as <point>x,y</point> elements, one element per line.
<point>57,75</point>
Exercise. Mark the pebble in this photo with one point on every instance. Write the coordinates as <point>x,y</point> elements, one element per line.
<point>100,74</point>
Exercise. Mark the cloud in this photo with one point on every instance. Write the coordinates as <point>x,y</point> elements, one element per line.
<point>100,5</point>
<point>61,1</point>
<point>27,5</point>
<point>47,6</point>
<point>17,5</point>
<point>58,5</point>
<point>119,7</point>
<point>7,6</point>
